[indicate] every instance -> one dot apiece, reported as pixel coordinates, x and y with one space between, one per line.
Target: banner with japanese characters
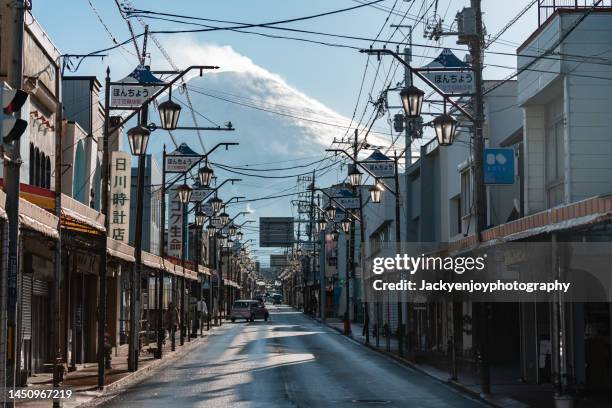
175 225
120 184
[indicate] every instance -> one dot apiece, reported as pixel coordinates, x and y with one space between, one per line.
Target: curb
454 384
135 376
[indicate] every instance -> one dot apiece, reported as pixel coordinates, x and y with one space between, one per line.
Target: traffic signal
12 101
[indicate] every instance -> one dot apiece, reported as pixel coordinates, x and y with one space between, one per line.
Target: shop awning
152 261
204 270
118 249
79 217
37 219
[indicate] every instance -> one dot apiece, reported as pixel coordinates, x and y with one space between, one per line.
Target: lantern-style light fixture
200 217
138 138
184 193
222 239
224 217
330 212
169 112
445 126
346 225
355 176
216 204
211 230
322 224
412 100
239 235
232 229
205 175
230 242
298 252
335 234
375 193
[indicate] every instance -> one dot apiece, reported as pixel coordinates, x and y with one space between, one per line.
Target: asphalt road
289 361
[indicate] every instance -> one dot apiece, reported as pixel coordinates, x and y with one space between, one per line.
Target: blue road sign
498 166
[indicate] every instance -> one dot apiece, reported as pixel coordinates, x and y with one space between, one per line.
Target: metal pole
322 274
183 253
58 249
161 333
103 258
366 317
398 239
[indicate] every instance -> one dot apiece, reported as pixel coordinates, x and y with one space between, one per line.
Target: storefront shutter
26 306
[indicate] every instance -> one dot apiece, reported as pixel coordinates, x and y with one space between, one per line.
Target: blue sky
330 75
316 78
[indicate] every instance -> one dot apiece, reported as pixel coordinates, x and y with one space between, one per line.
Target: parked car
249 310
277 299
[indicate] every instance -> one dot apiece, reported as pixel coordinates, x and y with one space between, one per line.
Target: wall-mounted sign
120 185
498 166
175 225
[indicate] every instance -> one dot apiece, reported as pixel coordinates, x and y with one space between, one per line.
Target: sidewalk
84 381
507 391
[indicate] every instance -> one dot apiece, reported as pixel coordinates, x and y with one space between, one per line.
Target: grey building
151 207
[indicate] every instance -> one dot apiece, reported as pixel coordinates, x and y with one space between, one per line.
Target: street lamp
375 193
445 126
205 175
184 193
216 204
330 211
138 137
211 230
222 239
335 234
200 217
322 224
346 225
224 217
239 235
412 100
168 114
231 230
355 176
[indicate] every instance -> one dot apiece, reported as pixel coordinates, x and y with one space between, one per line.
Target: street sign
276 231
198 194
346 198
135 89
182 159
499 166
380 164
451 75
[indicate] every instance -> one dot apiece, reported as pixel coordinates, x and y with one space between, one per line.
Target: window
555 152
465 200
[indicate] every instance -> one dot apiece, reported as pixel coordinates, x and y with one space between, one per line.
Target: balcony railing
547 8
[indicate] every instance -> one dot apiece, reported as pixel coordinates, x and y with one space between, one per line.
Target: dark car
249 310
277 299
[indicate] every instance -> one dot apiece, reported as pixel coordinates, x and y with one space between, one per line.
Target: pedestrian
171 319
202 313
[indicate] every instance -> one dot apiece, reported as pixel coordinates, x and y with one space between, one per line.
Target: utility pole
310 238
12 167
104 176
475 46
410 125
137 268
